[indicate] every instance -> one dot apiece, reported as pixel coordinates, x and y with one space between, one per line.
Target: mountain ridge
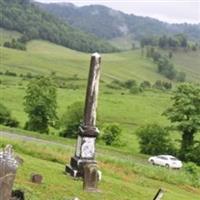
33 23
107 23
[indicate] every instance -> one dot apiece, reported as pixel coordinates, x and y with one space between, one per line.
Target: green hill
124 169
33 23
107 23
130 111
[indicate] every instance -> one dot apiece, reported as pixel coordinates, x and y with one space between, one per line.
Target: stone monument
85 147
8 168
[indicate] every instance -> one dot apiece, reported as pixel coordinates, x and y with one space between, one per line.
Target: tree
40 104
71 120
111 134
130 83
185 114
154 139
5 117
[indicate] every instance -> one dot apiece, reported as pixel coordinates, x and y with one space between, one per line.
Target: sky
172 11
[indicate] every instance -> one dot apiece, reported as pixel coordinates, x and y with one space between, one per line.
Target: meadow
124 169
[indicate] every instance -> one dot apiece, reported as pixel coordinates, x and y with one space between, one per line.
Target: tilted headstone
8 168
85 147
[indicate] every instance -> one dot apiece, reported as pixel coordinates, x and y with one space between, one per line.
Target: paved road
109 154
14 136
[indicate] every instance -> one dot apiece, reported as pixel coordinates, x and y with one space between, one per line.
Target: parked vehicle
166 161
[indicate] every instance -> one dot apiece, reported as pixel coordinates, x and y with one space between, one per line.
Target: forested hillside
108 23
28 19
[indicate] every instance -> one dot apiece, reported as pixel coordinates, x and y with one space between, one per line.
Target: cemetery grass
125 178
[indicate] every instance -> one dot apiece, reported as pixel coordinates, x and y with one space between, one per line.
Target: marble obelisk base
76 166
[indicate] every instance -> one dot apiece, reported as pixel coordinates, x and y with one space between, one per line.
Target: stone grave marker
85 147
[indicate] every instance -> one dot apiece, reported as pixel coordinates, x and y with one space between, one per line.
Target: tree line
169 42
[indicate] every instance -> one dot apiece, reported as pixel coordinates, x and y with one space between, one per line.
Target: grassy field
129 111
125 171
130 177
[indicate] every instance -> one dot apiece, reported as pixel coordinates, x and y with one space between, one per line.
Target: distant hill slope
33 23
107 23
43 58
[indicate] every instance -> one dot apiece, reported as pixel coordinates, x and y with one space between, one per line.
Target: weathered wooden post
85 147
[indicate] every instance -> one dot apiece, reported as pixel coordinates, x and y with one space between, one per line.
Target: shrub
136 90
145 84
116 84
5 117
71 120
8 73
154 139
194 171
130 84
162 85
111 134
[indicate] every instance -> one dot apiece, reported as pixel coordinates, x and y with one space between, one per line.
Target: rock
36 178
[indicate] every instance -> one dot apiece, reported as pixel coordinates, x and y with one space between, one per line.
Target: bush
71 120
145 84
194 154
194 171
154 139
162 85
116 84
8 73
136 90
111 134
130 84
5 117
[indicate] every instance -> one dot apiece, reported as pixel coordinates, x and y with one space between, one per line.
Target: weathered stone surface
8 167
6 184
90 180
36 178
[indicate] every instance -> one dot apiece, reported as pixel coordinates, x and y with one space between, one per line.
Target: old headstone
90 179
36 178
85 147
8 168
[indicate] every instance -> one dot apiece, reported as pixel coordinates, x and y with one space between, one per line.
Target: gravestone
90 178
8 168
85 147
36 178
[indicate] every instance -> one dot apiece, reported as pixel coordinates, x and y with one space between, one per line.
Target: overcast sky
172 11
